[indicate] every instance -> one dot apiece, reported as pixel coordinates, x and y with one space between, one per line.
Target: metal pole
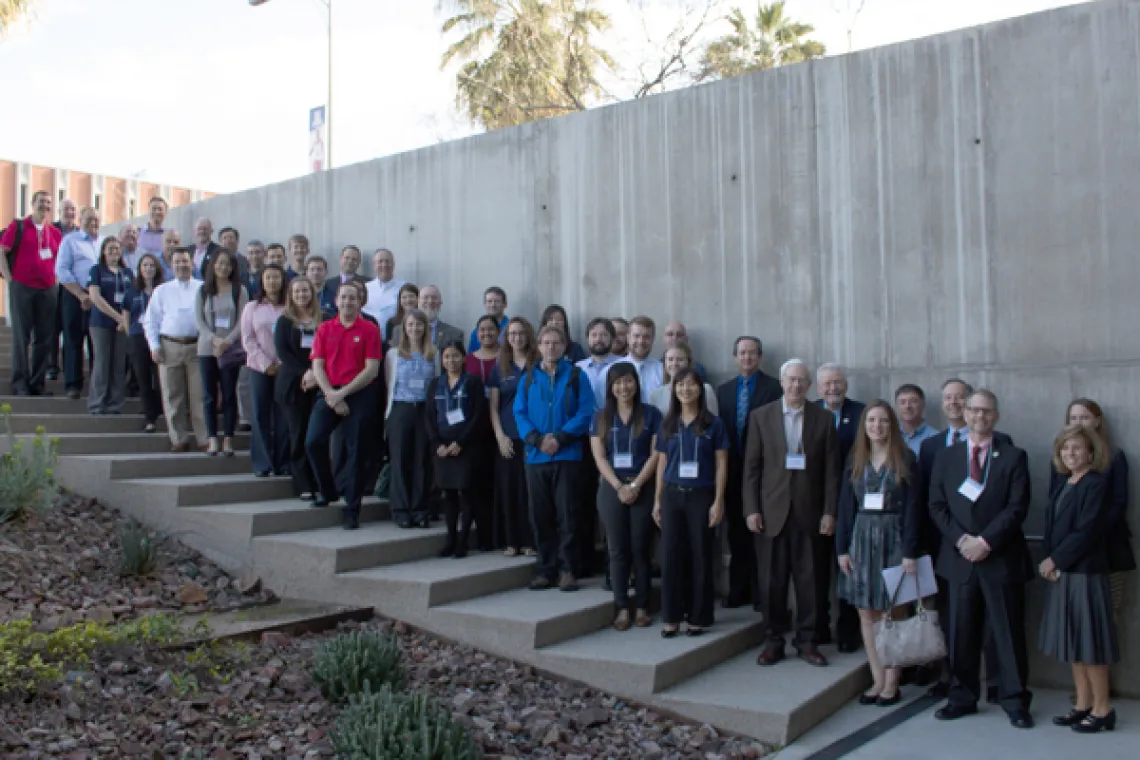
328 115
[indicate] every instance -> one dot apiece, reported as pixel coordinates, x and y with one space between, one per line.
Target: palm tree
525 60
773 40
12 11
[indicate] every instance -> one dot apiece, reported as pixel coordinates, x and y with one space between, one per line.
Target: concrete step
169 465
75 444
59 404
330 551
277 516
60 424
640 662
200 490
774 704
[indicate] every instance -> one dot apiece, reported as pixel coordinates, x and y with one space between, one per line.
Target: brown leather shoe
179 448
810 654
769 656
643 619
621 622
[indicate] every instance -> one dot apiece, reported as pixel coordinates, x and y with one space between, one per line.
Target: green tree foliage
772 40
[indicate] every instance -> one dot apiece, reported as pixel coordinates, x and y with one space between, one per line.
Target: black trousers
847 629
687 548
742 561
512 511
56 330
75 337
322 423
629 537
33 325
409 454
215 377
146 372
553 518
458 513
788 556
975 607
586 525
297 417
269 445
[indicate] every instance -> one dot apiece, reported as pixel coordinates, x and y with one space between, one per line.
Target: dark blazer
928 450
294 360
1076 529
849 415
770 489
910 495
766 390
326 297
996 516
1121 558
444 334
334 281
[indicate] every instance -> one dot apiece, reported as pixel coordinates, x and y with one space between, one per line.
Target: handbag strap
917 591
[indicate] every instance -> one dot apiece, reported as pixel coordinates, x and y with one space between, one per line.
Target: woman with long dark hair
295 389
556 315
407 299
409 369
878 527
110 321
454 418
692 469
269 449
147 278
218 310
622 436
512 517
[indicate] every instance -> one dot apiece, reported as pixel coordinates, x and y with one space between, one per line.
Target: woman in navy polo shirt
147 278
512 518
622 436
110 322
409 369
691 473
454 419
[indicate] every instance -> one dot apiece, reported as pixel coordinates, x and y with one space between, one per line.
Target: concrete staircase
217 506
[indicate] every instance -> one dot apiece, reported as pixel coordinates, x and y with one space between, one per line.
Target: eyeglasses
981 410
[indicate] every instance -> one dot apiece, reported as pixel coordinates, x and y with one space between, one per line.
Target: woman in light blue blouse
409 369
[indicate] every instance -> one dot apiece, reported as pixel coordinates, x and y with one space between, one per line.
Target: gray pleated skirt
876 544
1077 624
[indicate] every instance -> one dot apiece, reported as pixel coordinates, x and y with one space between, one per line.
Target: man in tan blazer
791 484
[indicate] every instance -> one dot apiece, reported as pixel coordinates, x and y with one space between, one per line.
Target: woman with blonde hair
409 369
878 527
677 358
1077 623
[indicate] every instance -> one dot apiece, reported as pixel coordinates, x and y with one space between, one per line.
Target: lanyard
448 396
882 479
617 448
696 445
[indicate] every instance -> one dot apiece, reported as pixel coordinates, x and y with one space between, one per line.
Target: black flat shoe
1093 725
1073 717
667 633
403 523
320 502
1021 719
261 474
868 699
695 631
448 550
351 522
889 701
953 712
423 522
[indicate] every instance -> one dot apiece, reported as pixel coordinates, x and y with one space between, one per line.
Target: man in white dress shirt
384 291
641 334
172 335
600 339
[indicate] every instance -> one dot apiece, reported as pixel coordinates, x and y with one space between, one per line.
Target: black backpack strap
16 241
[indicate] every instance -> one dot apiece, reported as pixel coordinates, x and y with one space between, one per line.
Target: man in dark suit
791 486
442 333
350 258
205 249
749 390
979 496
316 269
832 382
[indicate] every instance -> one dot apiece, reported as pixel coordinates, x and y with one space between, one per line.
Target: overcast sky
215 94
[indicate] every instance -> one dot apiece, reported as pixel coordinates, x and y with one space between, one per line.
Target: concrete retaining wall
958 205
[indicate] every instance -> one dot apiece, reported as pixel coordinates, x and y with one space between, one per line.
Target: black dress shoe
939 690
320 501
1021 719
403 523
1092 724
261 474
1072 718
810 654
889 701
769 656
848 647
669 633
423 522
953 712
992 695
351 521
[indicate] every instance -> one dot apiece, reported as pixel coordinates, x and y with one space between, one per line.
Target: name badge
625 461
45 253
416 383
119 298
307 339
873 502
183 309
486 392
971 489
455 416
222 323
690 469
795 462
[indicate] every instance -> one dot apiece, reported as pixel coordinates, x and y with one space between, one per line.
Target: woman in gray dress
1078 625
877 527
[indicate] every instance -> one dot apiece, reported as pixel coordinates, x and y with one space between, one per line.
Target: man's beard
431 314
600 349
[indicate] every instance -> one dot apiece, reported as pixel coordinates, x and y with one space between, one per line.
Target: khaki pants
182 391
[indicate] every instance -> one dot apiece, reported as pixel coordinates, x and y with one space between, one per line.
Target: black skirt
459 472
1078 624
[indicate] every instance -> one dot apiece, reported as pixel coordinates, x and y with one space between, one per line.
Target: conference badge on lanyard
971 488
689 470
623 460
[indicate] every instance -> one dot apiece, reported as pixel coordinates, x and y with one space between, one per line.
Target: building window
23 199
98 201
132 210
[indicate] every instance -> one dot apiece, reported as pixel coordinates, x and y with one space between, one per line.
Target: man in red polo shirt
30 274
346 359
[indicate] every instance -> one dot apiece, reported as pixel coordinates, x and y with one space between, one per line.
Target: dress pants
630 536
989 653
742 559
146 373
847 629
687 548
245 400
75 337
512 510
587 517
269 445
409 454
32 312
108 370
789 555
182 392
297 416
975 607
322 423
551 492
56 330
215 377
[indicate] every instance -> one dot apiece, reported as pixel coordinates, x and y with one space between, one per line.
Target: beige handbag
914 641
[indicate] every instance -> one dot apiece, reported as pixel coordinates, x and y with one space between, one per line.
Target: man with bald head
384 291
441 333
204 246
676 332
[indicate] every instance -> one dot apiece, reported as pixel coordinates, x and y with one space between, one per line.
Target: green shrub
349 663
27 473
139 549
387 725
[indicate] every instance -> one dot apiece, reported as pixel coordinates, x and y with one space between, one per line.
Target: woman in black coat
1078 625
454 417
296 387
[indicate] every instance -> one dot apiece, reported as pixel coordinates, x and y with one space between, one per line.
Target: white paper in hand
927 585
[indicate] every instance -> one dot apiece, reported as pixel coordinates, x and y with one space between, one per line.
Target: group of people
529 438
